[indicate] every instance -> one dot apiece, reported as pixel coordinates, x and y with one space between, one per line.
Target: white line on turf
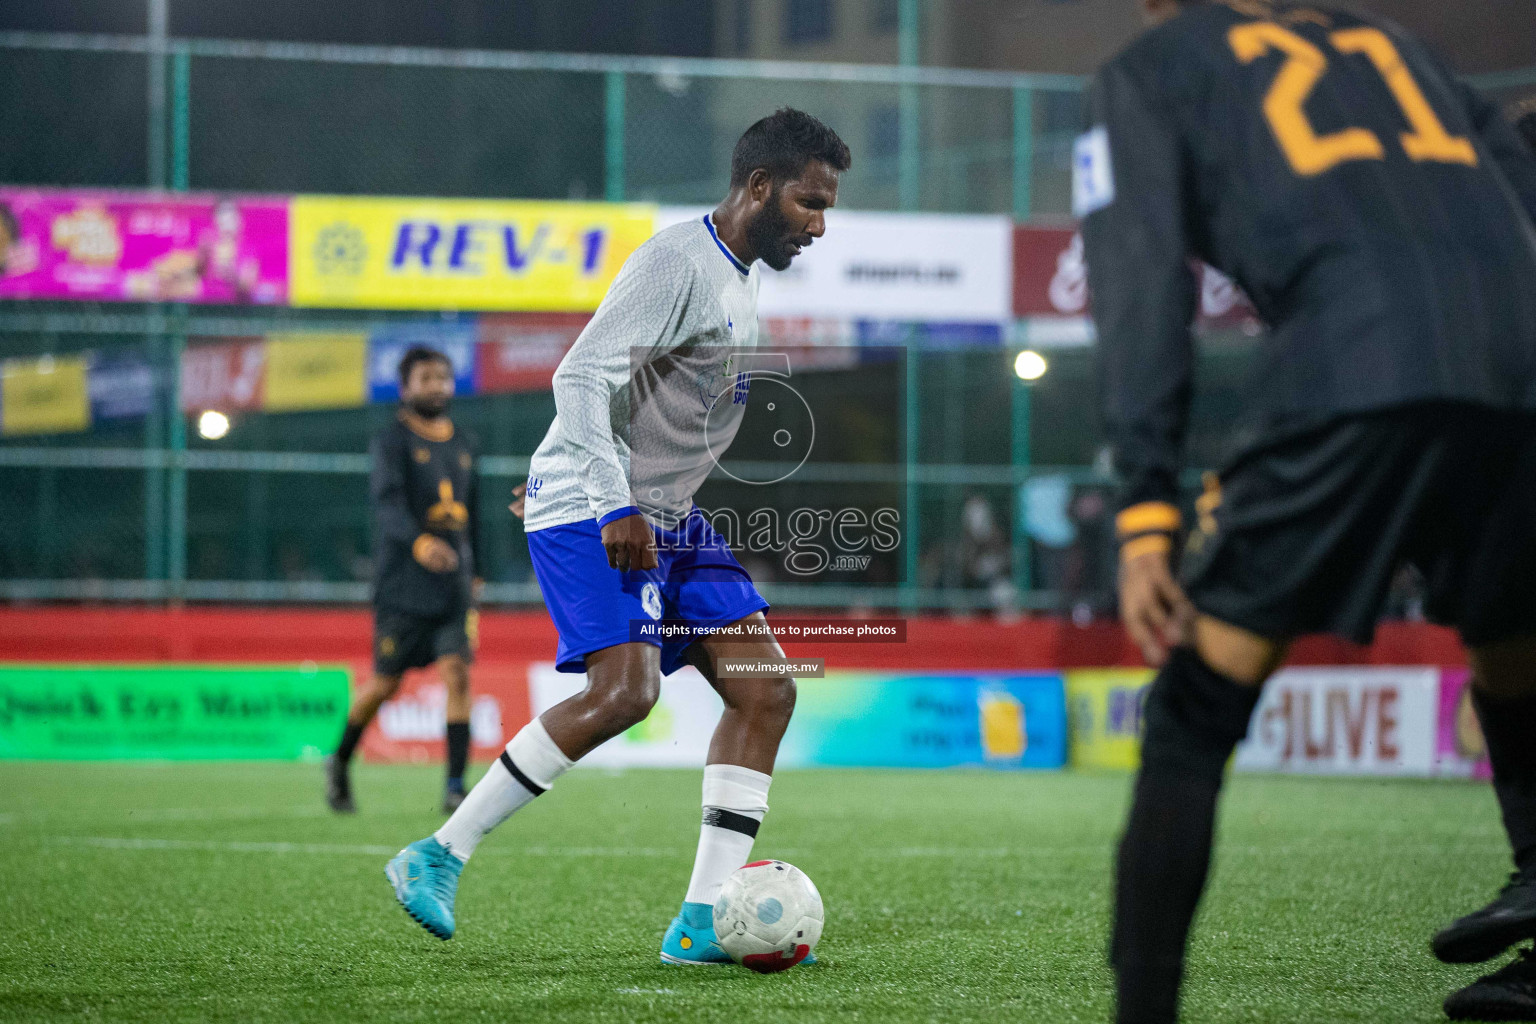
646 991
373 850
232 846
176 814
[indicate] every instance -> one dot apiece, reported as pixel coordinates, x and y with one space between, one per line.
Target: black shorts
403 641
1305 534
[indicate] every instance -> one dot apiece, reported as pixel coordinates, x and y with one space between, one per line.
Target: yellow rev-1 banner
470 254
44 396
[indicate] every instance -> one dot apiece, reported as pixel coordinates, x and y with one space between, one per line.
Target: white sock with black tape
529 766
735 802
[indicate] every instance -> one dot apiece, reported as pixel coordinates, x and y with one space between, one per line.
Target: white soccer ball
768 916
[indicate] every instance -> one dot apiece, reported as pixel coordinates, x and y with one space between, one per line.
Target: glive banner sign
852 719
468 254
1345 721
93 712
891 266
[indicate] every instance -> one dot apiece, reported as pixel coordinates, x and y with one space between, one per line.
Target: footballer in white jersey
647 398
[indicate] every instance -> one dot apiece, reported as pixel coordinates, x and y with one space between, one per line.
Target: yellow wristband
1151 544
1148 517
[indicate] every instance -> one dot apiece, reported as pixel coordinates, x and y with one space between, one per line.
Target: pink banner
113 246
1460 749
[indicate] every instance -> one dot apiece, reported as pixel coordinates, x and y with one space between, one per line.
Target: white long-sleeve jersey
648 396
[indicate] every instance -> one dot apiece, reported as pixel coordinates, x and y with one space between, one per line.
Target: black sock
458 753
1194 718
349 738
1509 729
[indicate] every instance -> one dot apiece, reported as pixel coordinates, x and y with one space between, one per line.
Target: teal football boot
690 941
426 879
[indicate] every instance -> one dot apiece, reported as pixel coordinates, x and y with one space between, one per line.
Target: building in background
1069 36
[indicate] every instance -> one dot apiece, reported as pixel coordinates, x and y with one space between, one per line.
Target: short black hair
783 143
420 354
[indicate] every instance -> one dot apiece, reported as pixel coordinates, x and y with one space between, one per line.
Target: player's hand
631 543
435 554
518 500
1153 606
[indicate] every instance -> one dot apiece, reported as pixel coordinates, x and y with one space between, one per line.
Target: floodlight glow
212 425
1030 365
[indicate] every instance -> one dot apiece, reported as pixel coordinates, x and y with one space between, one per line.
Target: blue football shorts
697 582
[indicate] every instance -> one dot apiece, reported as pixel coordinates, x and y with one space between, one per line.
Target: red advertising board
410 727
1050 278
519 351
227 375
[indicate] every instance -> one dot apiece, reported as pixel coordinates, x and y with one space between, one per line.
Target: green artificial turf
225 892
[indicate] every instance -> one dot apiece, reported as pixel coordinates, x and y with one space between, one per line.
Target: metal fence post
176 511
1022 395
176 532
181 119
613 137
909 167
1023 209
1023 152
159 18
912 433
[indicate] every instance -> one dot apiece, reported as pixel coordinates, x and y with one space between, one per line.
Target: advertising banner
1050 279
1459 746
94 712
929 721
145 247
227 375
892 266
520 351
315 371
471 254
44 396
1345 721
121 386
1104 705
388 344
675 734
411 725
852 719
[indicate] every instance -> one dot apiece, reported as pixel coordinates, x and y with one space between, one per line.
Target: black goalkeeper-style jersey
1377 211
423 483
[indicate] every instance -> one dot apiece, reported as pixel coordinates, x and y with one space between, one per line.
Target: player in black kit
1379 214
424 499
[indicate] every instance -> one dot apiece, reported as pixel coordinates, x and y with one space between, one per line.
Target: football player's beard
767 232
429 409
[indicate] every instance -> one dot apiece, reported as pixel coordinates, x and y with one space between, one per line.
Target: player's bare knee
774 698
1506 669
628 702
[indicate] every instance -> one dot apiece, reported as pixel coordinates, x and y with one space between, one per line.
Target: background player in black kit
424 498
1379 215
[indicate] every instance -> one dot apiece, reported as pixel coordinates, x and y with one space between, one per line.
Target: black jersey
1377 211
423 483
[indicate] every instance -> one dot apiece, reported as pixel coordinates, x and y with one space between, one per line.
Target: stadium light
1030 365
212 425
